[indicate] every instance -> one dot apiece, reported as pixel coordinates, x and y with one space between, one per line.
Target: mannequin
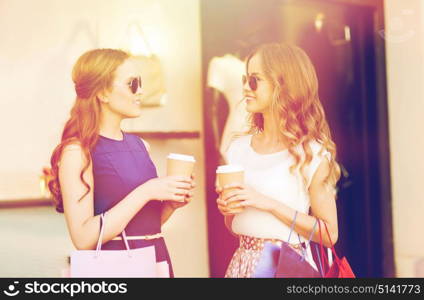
224 76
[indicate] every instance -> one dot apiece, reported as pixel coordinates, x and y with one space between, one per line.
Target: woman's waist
255 243
263 225
146 237
134 242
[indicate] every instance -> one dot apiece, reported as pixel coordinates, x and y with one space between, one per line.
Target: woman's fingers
193 184
232 199
222 209
184 182
188 199
243 203
226 211
181 179
238 197
179 198
238 185
181 191
235 196
183 185
231 194
221 204
221 201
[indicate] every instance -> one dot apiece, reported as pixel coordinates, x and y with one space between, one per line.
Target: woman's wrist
273 205
168 205
143 192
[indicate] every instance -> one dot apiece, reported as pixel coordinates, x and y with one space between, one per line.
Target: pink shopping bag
139 262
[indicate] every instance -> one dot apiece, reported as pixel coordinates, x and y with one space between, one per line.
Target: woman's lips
248 98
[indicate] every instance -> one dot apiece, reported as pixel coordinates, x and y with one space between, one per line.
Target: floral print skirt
246 257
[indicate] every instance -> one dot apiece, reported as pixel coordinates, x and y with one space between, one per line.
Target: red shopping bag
340 267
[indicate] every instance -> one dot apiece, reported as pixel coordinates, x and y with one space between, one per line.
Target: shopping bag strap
291 230
124 238
309 240
292 226
336 258
312 232
298 236
332 246
102 229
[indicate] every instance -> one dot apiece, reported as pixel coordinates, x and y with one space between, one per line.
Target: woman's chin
134 114
250 108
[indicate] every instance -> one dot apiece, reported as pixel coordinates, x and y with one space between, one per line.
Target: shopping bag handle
102 229
298 236
292 226
337 259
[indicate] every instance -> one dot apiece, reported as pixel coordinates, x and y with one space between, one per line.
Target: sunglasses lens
253 83
135 83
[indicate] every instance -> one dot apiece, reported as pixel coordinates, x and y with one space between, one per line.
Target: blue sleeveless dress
118 168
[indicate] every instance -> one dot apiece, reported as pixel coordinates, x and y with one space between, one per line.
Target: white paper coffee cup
180 165
229 174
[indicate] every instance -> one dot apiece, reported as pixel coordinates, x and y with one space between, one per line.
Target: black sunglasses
252 80
134 84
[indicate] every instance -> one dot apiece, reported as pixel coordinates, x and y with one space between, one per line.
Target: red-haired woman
288 157
99 169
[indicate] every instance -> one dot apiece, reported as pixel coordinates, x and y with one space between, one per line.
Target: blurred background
369 59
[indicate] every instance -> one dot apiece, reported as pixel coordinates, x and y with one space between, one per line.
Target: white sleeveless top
269 174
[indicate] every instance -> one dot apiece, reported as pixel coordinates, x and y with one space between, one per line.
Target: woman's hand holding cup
223 206
174 188
188 196
182 165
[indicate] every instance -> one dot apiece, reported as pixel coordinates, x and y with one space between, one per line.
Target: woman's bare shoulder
73 154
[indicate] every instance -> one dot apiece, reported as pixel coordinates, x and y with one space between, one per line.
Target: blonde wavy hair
295 105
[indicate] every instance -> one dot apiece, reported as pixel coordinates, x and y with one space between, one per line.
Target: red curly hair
93 73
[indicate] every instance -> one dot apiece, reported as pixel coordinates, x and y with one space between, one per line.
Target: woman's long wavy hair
93 73
295 105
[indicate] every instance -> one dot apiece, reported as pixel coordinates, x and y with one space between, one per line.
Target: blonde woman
288 156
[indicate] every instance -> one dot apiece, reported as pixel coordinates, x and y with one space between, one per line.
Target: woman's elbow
334 236
81 244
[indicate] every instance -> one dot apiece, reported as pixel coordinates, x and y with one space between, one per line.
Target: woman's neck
110 126
271 133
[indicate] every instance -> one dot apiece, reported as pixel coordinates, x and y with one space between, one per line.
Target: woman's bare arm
83 225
